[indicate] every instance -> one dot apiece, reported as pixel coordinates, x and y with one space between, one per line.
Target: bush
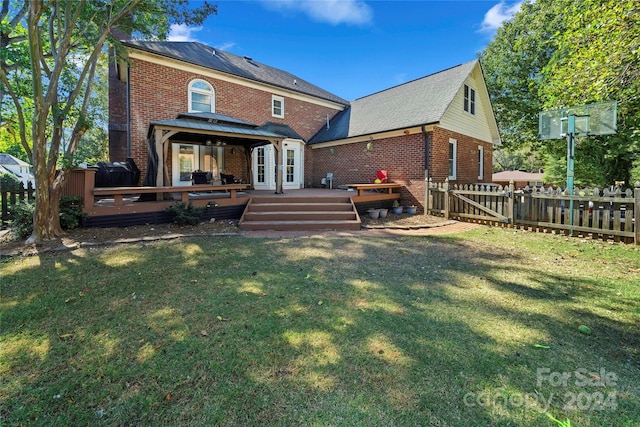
22 218
9 181
182 214
71 213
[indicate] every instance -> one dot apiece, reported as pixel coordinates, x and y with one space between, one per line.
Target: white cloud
182 33
498 14
334 12
225 46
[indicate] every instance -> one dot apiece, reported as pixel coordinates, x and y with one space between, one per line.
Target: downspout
427 164
128 95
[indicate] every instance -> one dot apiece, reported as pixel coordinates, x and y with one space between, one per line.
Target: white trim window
469 100
277 106
202 97
480 162
453 151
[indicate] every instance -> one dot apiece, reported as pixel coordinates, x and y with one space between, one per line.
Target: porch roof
198 127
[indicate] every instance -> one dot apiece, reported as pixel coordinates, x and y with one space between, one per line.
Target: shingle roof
216 59
8 159
419 102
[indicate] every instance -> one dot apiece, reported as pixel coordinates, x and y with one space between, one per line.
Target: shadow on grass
230 331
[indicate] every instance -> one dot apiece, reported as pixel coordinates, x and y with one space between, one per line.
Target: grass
399 331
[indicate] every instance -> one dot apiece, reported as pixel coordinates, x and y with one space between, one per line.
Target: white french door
264 166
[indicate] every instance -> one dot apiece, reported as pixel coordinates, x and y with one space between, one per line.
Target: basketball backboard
592 119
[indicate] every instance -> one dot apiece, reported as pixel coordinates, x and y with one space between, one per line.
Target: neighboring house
17 167
196 108
520 179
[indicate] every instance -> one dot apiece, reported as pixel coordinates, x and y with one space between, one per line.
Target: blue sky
353 48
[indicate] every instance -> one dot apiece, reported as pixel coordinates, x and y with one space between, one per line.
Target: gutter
128 111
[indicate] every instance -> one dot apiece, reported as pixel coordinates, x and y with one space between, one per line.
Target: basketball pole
571 125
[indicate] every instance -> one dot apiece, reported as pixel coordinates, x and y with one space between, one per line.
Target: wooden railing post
636 213
446 198
512 196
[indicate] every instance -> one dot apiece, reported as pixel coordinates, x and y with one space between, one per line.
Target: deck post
161 159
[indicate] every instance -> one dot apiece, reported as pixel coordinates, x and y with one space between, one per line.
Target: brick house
180 107
440 126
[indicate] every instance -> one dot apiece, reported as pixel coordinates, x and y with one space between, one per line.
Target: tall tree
49 55
513 63
557 54
598 59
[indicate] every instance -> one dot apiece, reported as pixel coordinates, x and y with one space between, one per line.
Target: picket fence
609 213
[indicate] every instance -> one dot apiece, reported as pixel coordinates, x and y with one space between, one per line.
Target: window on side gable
453 149
201 97
469 100
277 106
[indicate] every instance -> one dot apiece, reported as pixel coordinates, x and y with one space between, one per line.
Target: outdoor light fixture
233 150
370 146
209 142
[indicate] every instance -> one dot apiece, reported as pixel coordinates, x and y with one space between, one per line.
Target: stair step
294 200
299 215
283 213
286 207
301 225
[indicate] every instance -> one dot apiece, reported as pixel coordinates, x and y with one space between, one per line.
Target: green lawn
479 328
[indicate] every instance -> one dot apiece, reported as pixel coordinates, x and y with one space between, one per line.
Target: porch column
277 145
161 157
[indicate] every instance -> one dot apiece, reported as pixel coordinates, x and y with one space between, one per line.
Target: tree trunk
46 218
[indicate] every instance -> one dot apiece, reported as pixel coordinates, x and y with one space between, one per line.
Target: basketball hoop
586 120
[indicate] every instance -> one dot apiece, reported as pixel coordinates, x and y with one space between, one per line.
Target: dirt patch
401 221
11 245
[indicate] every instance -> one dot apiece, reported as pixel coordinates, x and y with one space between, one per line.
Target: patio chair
227 179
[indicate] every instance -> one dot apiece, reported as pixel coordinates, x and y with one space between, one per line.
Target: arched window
202 98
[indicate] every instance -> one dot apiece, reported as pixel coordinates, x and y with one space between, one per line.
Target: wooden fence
11 196
600 213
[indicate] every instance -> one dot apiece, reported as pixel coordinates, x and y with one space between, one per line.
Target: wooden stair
284 213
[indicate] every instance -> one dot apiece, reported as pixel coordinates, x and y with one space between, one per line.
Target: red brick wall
403 159
160 93
117 115
467 157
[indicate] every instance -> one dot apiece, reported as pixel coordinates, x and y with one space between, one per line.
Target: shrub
182 214
22 218
9 181
71 213
22 215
